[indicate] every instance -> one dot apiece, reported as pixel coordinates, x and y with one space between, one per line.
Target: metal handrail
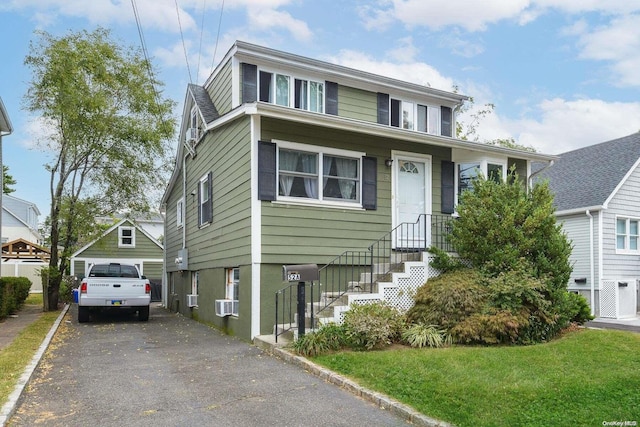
345 273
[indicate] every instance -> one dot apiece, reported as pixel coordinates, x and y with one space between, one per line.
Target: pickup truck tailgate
115 286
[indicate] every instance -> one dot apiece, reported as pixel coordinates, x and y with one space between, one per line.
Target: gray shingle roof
204 102
588 176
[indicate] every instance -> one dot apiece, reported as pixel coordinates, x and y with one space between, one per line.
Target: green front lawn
15 357
584 378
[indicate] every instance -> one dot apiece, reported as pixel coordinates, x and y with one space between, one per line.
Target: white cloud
618 42
566 125
157 14
437 14
267 19
461 46
609 7
415 72
478 15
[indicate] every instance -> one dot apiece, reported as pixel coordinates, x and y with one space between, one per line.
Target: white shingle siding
576 228
626 203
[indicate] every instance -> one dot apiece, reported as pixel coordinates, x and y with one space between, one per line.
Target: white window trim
229 283
417 103
120 237
292 90
180 213
205 178
323 150
625 251
484 161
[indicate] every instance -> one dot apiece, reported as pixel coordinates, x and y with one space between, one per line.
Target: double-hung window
316 173
274 88
180 213
309 95
627 234
205 204
232 288
126 237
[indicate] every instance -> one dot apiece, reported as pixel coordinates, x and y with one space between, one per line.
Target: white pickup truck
114 285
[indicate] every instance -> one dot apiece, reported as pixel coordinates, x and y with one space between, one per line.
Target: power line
204 4
213 60
184 46
145 53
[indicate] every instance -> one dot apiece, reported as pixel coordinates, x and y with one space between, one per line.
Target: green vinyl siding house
288 160
128 243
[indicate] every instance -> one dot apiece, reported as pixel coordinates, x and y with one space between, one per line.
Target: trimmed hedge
13 293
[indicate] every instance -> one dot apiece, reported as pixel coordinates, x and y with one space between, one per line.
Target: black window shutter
331 100
249 83
370 183
383 108
266 170
445 121
447 175
395 113
265 86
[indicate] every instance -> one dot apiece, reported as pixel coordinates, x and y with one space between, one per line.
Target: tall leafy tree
107 126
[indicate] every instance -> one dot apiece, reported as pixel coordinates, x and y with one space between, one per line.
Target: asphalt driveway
173 371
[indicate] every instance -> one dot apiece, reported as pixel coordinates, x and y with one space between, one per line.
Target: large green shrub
13 293
503 225
449 298
372 326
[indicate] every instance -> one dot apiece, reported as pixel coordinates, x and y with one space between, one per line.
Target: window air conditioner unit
192 300
191 135
224 307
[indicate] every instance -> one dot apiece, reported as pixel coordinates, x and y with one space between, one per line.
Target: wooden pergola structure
21 249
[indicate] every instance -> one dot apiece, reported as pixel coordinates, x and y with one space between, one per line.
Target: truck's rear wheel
83 314
143 313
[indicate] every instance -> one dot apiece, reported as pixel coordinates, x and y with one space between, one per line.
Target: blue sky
562 74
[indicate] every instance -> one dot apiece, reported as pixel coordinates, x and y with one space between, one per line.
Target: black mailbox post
300 273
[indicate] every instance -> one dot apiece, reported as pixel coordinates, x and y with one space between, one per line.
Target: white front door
412 198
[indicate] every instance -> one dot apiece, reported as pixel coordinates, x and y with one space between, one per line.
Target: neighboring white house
19 220
597 198
22 251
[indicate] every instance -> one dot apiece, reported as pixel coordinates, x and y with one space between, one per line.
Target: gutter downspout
591 263
530 180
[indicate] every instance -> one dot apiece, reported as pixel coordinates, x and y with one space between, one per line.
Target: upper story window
285 90
627 234
180 212
205 204
435 120
126 237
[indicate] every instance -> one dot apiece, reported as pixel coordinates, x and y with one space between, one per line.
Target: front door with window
412 198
